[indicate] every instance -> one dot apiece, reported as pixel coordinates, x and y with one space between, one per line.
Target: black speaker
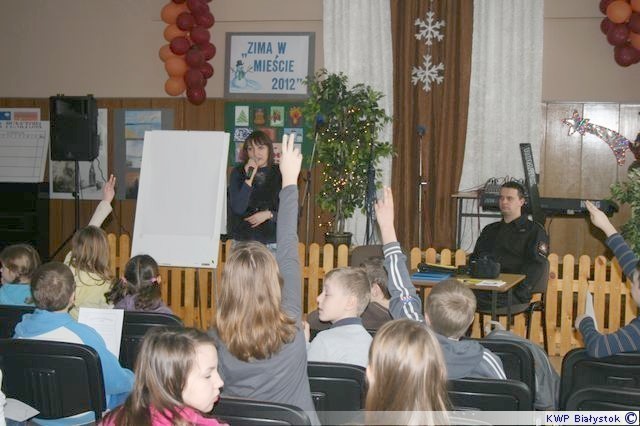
74 128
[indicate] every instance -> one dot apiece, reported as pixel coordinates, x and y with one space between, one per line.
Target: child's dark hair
140 279
257 137
21 259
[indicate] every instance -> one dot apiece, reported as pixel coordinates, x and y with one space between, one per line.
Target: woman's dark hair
141 280
257 137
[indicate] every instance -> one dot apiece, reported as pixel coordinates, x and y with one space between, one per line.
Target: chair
604 398
247 412
528 309
58 379
490 395
10 316
517 361
336 387
580 371
134 327
363 253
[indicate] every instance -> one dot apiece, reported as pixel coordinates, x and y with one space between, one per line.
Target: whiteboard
23 150
181 197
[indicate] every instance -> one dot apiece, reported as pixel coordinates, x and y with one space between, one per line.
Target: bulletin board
274 118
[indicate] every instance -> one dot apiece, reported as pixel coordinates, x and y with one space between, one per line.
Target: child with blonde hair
258 329
89 257
407 376
177 381
19 261
139 287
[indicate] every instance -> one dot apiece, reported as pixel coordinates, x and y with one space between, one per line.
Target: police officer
517 243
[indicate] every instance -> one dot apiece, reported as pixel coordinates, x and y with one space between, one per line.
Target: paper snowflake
429 29
427 74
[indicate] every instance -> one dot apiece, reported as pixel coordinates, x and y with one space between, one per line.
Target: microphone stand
370 198
421 182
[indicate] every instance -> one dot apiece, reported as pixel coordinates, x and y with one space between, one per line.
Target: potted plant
347 121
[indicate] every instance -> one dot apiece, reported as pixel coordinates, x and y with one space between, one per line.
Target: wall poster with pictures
129 126
274 118
93 174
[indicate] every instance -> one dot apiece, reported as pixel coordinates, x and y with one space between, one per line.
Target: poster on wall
19 114
273 118
93 174
129 127
268 64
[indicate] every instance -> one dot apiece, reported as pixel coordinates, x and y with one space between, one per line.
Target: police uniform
521 247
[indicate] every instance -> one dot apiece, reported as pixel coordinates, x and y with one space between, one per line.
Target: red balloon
618 34
185 21
603 6
194 78
197 7
605 25
208 50
196 95
200 35
634 22
207 70
194 57
179 45
206 20
625 55
178 1
635 5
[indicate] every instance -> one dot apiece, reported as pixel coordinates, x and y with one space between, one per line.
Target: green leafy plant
629 192
349 120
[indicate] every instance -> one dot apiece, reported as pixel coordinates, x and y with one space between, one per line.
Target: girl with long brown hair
258 326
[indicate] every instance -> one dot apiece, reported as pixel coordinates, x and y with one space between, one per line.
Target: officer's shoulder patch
543 248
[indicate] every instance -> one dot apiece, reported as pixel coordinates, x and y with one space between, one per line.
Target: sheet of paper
490 283
18 410
108 324
23 150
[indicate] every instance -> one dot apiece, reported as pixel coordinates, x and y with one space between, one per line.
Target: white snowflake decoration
427 73
429 29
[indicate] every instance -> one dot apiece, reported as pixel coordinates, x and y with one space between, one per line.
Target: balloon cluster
622 28
189 50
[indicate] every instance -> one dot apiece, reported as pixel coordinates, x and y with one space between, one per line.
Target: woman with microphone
253 191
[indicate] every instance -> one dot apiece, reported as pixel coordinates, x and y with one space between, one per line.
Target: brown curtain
443 112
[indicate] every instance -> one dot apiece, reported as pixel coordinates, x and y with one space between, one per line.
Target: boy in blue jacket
53 292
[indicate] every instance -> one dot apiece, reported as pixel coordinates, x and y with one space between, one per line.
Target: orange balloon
172 31
634 38
635 5
165 53
176 67
175 86
619 11
170 12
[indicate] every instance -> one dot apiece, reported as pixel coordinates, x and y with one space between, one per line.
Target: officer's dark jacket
521 246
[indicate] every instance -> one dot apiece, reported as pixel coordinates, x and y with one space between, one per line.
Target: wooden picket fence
191 292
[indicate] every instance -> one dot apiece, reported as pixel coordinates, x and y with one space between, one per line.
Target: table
510 281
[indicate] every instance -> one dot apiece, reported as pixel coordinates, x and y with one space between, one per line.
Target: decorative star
576 123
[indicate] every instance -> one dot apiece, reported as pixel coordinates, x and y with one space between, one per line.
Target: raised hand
109 189
290 160
384 216
599 219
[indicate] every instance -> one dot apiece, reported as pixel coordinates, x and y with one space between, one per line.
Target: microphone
421 130
250 172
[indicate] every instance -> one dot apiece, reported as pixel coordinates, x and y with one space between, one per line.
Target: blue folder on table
430 276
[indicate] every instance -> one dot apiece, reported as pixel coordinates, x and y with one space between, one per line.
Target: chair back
247 412
362 253
58 379
336 387
604 398
517 360
10 316
490 395
543 282
579 371
134 327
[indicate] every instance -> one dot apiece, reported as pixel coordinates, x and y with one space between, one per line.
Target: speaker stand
76 201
